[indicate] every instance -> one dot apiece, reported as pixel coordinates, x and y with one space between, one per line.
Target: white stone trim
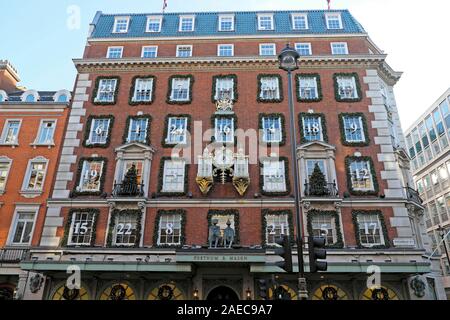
19 208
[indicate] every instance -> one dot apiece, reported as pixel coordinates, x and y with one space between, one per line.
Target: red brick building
136 220
33 125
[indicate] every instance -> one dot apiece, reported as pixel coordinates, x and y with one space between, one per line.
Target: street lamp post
443 236
288 60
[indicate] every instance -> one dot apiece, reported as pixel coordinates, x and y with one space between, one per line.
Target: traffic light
263 289
317 251
285 252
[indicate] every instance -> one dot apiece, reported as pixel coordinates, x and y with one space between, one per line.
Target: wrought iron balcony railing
327 191
128 190
413 195
12 255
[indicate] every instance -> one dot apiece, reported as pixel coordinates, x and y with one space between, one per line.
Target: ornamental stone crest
419 286
36 282
225 104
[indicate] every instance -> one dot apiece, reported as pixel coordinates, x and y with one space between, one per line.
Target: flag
329 4
164 5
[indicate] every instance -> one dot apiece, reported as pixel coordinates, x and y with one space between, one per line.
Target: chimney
9 77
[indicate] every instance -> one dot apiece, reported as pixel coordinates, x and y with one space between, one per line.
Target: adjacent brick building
135 218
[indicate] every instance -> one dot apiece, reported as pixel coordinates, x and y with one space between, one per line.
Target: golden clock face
379 294
64 293
329 292
117 292
167 291
223 158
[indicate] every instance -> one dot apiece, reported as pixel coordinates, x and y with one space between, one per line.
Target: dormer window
3 96
334 21
121 24
154 24
300 21
265 22
62 96
226 23
187 24
30 98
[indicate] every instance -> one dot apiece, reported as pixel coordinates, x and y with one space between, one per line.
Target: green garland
127 127
286 176
112 225
280 88
95 213
75 192
160 213
268 212
235 86
166 127
213 125
283 128
365 130
339 244
355 214
226 212
87 131
319 86
336 87
323 124
348 161
191 85
161 179
133 87
95 92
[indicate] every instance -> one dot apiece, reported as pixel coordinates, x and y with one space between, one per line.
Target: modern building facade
33 125
157 196
428 145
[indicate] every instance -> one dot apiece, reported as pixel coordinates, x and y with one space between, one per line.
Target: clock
223 158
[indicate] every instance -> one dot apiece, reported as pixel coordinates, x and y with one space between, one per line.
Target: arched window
30 98
1 98
62 98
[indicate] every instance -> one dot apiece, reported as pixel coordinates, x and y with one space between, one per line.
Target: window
361 175
324 225
143 90
444 106
276 225
224 88
299 21
308 88
177 130
334 21
5 165
126 230
224 130
46 132
270 88
184 51
430 127
438 121
139 166
11 132
62 98
274 176
423 134
169 231
121 24
312 128
180 89
23 227
272 129
412 152
150 52
187 24
99 131
370 232
267 49
2 97
106 90
35 176
311 164
346 86
353 128
303 49
174 176
30 98
265 22
114 52
82 228
226 23
91 174
225 50
339 48
154 24
138 130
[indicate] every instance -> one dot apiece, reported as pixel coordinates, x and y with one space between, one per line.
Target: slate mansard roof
206 24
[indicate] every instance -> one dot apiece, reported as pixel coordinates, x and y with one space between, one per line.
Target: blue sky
36 39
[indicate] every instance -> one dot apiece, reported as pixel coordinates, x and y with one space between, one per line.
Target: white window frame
308 44
188 97
116 223
181 187
273 220
261 96
282 168
355 88
24 209
361 127
151 80
147 123
72 225
175 219
379 226
91 131
50 143
27 175
97 98
324 171
184 46
316 89
222 45
180 23
345 47
83 173
225 78
320 120
116 20
227 17
260 16
114 48
273 45
147 29
8 162
146 47
328 17
323 217
298 15
168 141
5 129
217 131
280 133
369 172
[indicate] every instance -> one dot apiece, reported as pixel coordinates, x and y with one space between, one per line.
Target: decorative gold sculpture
205 184
241 184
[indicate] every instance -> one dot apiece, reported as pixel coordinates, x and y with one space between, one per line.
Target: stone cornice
32 107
